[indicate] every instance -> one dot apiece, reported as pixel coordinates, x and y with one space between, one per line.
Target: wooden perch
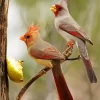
40 73
3 45
66 53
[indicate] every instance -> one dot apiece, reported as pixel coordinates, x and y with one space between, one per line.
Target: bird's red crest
33 28
58 7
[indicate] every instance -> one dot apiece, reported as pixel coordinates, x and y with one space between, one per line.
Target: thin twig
66 53
76 58
40 73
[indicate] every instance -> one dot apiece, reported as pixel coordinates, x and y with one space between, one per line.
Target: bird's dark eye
28 37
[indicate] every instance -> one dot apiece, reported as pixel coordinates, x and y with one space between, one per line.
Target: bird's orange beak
53 8
22 38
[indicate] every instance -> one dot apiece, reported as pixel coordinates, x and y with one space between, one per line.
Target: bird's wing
47 53
71 30
75 30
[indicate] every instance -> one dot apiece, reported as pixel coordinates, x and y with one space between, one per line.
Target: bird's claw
70 44
69 49
68 52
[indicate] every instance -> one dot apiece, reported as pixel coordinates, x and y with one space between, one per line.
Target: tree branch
3 46
66 53
40 73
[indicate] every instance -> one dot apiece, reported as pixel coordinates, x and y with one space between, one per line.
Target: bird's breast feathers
46 63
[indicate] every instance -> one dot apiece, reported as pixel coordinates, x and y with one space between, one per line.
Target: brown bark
3 46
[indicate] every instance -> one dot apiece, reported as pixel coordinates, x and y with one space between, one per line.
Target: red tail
61 85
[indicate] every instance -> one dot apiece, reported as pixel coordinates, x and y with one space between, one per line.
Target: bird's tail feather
86 61
61 85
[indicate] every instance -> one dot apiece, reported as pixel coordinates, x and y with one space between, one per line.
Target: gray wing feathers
45 50
71 25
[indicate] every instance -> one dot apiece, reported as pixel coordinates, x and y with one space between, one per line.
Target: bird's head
31 35
59 8
56 9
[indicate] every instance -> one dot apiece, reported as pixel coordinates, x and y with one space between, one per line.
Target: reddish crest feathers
33 28
58 7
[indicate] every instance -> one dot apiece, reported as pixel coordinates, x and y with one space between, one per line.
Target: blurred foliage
87 14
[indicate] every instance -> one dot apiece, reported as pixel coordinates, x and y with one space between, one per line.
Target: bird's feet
70 44
69 49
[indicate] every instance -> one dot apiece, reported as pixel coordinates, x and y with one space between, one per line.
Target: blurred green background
21 14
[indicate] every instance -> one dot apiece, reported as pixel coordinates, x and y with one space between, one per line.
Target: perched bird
45 54
68 28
